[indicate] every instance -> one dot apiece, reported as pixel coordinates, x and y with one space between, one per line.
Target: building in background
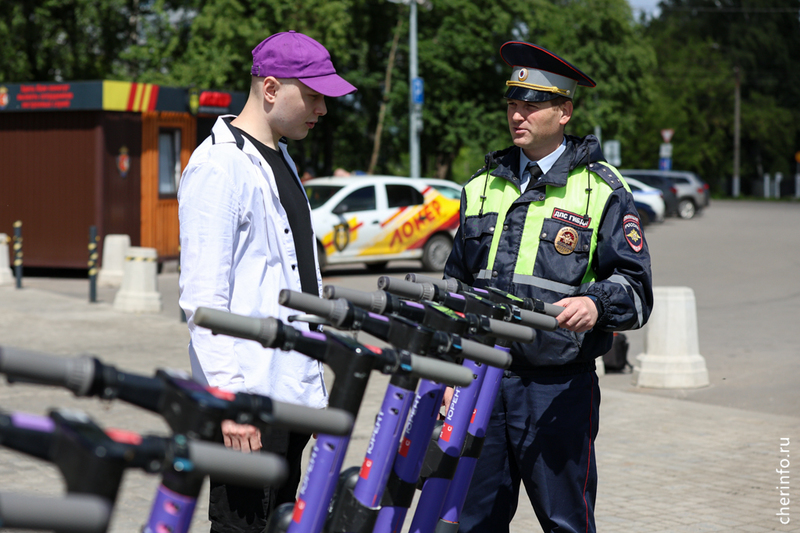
98 153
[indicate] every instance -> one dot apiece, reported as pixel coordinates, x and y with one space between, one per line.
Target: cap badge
566 240
523 74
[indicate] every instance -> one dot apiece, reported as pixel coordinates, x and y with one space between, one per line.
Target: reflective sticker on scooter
404 447
447 430
365 468
299 507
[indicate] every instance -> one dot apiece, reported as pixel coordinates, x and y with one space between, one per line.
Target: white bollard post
766 185
601 367
112 268
778 180
672 359
6 278
139 290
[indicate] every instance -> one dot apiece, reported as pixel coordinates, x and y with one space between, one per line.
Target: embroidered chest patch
571 218
633 232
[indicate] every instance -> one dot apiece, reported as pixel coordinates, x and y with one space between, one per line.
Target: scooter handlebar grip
552 310
372 301
309 420
74 513
307 303
263 330
537 320
511 332
441 371
73 373
406 289
485 354
225 464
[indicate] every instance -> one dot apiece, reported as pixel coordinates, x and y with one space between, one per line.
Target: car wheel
686 208
644 218
436 252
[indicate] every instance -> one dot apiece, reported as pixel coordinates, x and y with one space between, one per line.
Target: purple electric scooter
188 408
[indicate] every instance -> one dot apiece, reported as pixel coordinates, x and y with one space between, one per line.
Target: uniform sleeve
209 215
455 267
622 264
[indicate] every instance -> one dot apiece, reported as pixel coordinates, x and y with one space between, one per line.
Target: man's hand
579 314
242 437
446 399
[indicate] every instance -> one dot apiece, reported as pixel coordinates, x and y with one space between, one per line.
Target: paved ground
678 461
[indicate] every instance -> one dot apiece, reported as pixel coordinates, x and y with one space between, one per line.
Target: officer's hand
242 437
579 314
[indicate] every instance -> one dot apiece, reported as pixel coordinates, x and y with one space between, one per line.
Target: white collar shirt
545 163
237 253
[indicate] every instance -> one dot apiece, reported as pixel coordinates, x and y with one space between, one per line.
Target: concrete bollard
601 367
5 265
115 248
139 290
672 359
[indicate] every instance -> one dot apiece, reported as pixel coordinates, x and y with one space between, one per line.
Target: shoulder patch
606 174
633 232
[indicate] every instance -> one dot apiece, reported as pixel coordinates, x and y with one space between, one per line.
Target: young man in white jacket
246 233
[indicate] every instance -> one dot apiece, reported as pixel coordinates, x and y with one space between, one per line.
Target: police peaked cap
539 75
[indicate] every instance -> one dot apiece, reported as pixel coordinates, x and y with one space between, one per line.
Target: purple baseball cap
294 55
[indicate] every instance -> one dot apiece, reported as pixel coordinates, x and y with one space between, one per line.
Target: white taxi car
375 219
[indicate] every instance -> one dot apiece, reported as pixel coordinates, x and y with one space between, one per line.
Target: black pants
235 509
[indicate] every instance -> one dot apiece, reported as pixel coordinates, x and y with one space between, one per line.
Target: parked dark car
660 182
692 192
646 213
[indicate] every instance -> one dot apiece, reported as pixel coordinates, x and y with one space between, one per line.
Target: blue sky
649 6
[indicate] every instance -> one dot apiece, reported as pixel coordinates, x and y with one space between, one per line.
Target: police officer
548 218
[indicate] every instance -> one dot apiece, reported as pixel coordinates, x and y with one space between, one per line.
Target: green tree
53 40
700 44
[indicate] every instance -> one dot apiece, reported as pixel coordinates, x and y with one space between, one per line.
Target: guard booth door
167 143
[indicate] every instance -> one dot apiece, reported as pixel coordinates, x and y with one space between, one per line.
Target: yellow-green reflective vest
559 203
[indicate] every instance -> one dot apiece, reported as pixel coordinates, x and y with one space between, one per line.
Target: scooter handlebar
485 354
74 513
407 289
539 321
441 371
262 330
73 373
449 284
309 420
511 331
225 464
333 310
372 301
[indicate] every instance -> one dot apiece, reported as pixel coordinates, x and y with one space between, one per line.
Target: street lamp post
415 109
416 96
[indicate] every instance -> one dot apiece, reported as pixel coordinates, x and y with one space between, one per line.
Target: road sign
665 157
667 135
417 91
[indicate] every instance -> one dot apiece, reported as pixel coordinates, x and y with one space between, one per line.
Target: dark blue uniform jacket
623 286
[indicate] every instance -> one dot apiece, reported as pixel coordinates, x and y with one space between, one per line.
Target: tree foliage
675 71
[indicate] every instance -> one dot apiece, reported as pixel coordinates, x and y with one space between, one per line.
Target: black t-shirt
295 204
